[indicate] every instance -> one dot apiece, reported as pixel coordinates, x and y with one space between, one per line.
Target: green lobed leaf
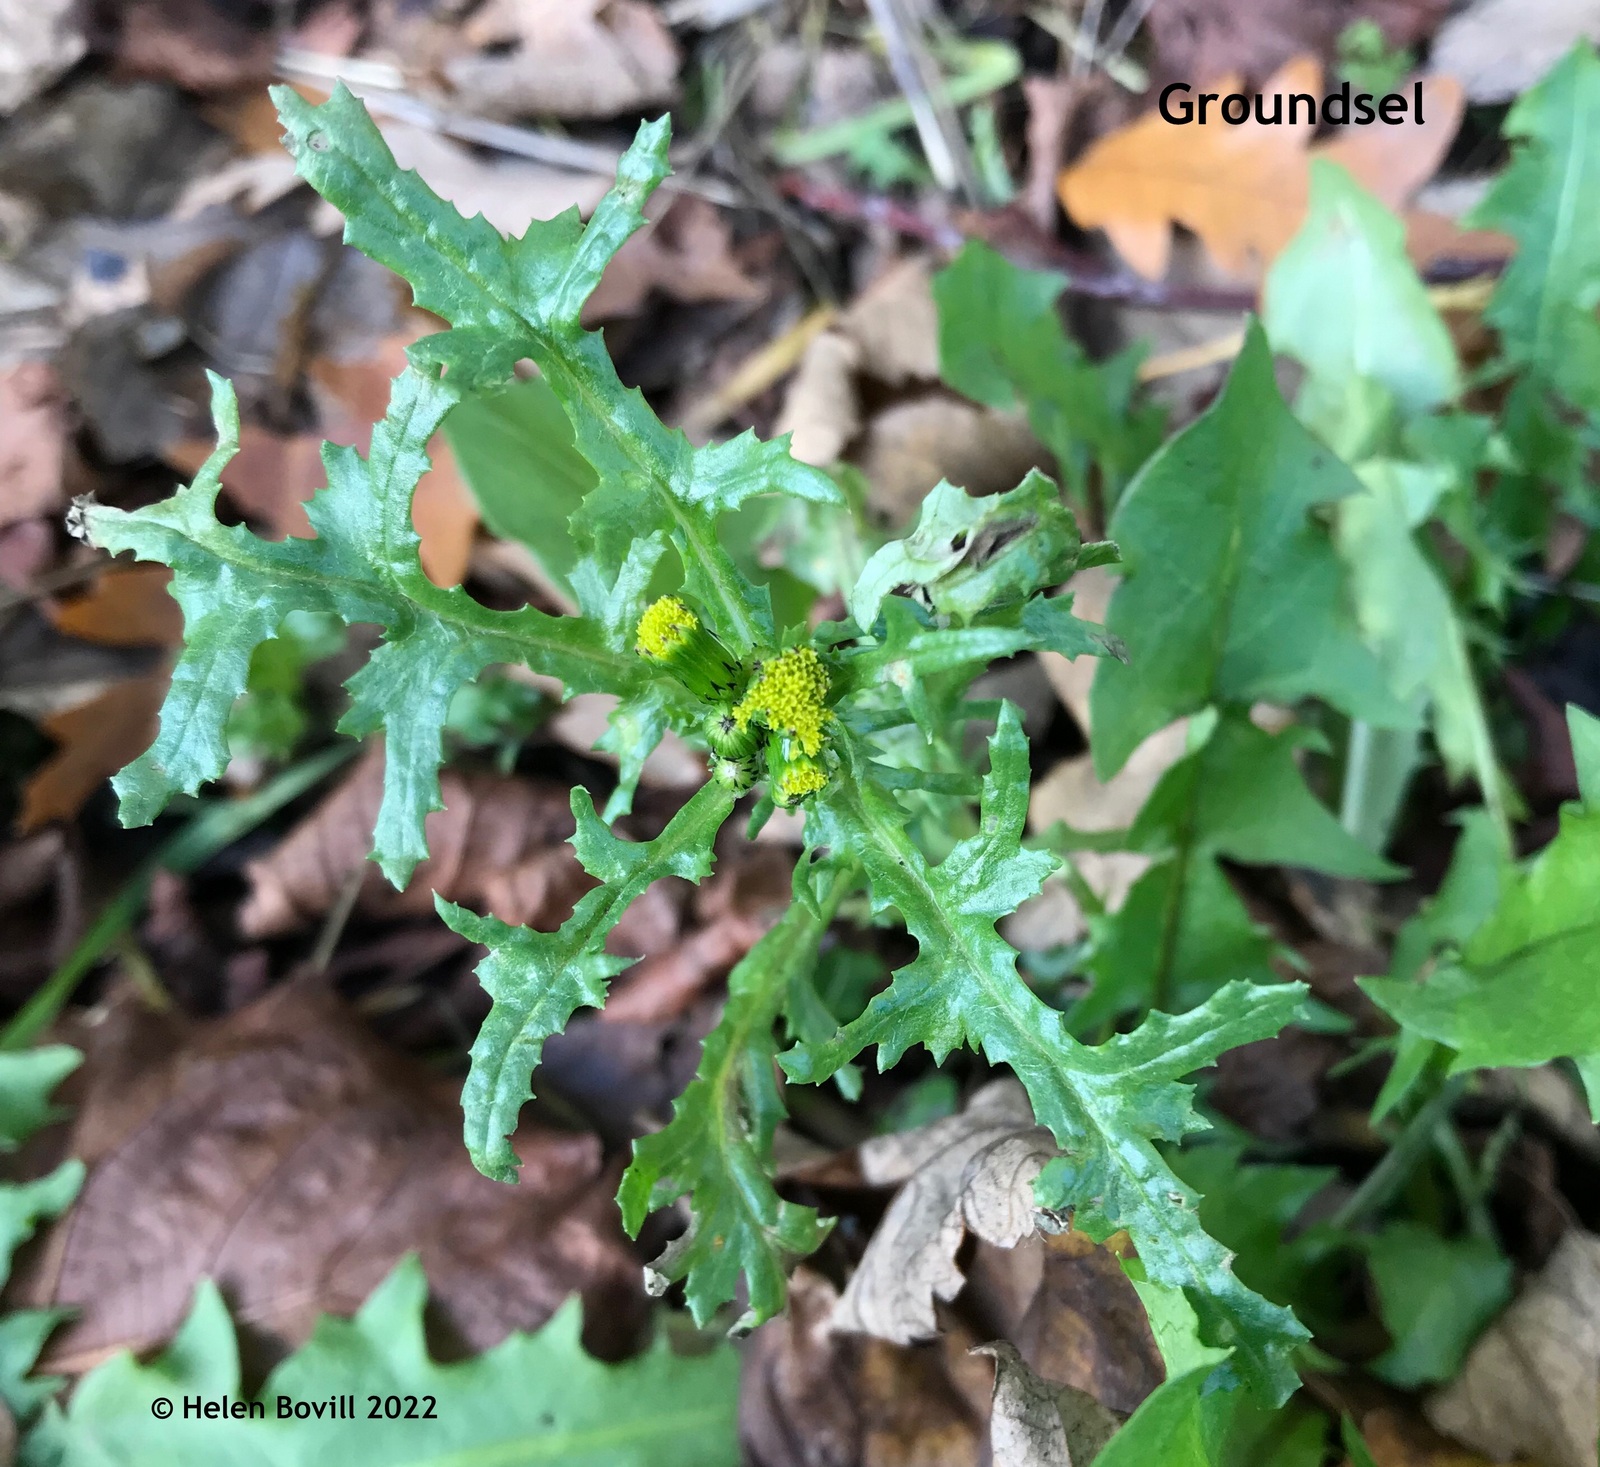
1516 988
512 298
1106 1105
532 1398
537 980
1001 341
236 589
717 1148
1232 592
1544 304
969 555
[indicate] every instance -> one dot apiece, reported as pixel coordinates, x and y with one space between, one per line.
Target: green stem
1416 1138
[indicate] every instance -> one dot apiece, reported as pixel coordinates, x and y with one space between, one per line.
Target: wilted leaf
531 1398
1531 1385
285 1154
554 58
1029 1421
1243 189
972 1172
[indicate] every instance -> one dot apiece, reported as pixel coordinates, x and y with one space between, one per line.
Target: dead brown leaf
809 1397
1531 1385
33 428
1035 1423
498 845
1399 1439
199 46
686 255
128 606
94 740
1200 40
564 58
286 1154
1243 190
971 1172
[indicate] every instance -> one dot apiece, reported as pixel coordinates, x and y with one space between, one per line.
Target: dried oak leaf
809 1397
498 845
1244 190
686 254
1531 1385
128 606
971 1172
1036 1423
286 1154
564 58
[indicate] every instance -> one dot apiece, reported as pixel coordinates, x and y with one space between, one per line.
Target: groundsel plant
860 726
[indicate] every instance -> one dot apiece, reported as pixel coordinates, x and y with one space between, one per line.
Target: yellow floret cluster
797 781
788 696
665 626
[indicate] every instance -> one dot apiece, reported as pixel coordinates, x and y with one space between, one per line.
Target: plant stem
1416 1136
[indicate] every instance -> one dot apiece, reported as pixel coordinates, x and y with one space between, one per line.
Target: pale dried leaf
1472 45
821 407
40 40
565 58
969 1172
1025 1428
33 429
895 325
1531 1385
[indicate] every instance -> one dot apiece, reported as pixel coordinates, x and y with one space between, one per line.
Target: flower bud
727 737
672 636
793 776
736 774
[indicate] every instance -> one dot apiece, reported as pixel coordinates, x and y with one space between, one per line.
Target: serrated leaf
1001 342
969 555
717 1148
514 298
236 589
1544 304
532 1398
1106 1106
1232 593
537 980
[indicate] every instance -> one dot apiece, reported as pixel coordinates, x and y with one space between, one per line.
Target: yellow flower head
787 695
665 627
798 778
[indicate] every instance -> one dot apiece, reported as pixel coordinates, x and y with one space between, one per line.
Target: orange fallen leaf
1243 189
128 606
94 739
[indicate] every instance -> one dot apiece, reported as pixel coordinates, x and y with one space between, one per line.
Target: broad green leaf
1106 1106
514 298
969 555
533 1398
1435 1295
1001 342
1231 592
1383 329
1179 1424
1519 989
514 448
717 1149
1182 931
537 980
26 1080
1409 619
1544 306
